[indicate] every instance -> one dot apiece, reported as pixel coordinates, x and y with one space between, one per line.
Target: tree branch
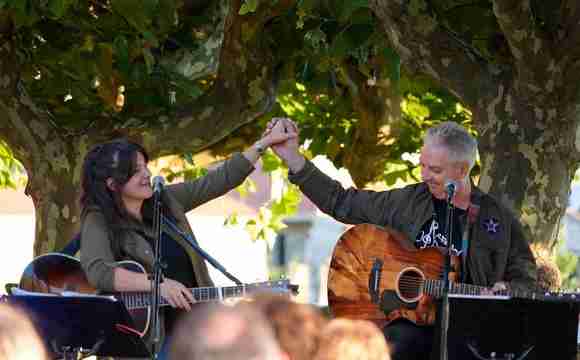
570 23
244 90
24 127
517 23
568 36
539 67
426 46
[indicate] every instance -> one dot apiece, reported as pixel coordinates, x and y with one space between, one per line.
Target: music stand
82 325
500 327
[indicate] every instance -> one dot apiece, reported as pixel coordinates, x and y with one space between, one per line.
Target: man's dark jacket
498 250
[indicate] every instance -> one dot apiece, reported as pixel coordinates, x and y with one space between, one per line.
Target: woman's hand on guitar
177 295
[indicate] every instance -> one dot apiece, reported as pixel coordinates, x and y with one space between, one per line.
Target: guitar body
403 271
54 273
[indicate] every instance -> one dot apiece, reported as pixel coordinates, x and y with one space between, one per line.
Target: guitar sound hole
409 285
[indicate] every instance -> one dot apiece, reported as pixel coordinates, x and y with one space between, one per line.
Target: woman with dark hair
117 220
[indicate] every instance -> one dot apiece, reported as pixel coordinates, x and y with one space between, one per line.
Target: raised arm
227 176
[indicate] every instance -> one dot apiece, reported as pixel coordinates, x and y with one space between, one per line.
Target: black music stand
82 325
500 328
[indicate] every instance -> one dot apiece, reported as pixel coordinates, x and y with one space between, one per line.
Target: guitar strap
472 214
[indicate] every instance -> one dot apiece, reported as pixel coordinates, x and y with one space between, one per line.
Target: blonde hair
297 327
19 339
345 339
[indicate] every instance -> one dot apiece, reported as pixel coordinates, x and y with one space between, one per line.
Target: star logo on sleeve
491 225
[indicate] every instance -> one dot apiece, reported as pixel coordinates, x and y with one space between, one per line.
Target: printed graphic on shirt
432 236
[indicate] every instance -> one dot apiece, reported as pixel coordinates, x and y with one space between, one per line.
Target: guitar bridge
375 281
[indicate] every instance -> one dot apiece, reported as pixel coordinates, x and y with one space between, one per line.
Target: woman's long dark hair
116 160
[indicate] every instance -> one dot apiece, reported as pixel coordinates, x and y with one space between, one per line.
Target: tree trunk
378 106
53 185
527 155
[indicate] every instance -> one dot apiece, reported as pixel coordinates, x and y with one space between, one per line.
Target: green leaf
231 220
249 6
187 88
121 50
270 162
167 15
392 177
315 38
341 45
347 41
350 6
188 157
11 171
247 187
362 16
149 59
59 7
394 64
23 14
150 39
138 13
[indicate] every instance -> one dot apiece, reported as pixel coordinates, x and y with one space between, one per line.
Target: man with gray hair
220 332
486 236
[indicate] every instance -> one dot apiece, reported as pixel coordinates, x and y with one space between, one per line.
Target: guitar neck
135 300
436 288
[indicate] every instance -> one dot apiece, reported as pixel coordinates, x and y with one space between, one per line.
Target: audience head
18 337
219 332
297 327
344 339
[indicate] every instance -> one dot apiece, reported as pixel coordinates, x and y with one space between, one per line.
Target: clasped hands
280 134
287 149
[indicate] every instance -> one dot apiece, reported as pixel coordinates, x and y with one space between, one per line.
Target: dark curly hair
116 160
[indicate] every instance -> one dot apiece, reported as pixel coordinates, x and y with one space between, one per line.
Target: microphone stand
446 270
156 279
200 251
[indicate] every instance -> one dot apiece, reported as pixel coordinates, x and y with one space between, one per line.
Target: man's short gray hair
456 139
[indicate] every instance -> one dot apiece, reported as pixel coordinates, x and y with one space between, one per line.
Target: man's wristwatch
260 148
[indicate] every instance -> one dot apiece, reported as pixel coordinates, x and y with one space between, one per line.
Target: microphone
450 187
158 184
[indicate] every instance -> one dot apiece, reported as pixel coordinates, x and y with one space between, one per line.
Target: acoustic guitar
60 274
376 274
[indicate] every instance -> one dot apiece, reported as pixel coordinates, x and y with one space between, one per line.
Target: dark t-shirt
434 232
179 269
